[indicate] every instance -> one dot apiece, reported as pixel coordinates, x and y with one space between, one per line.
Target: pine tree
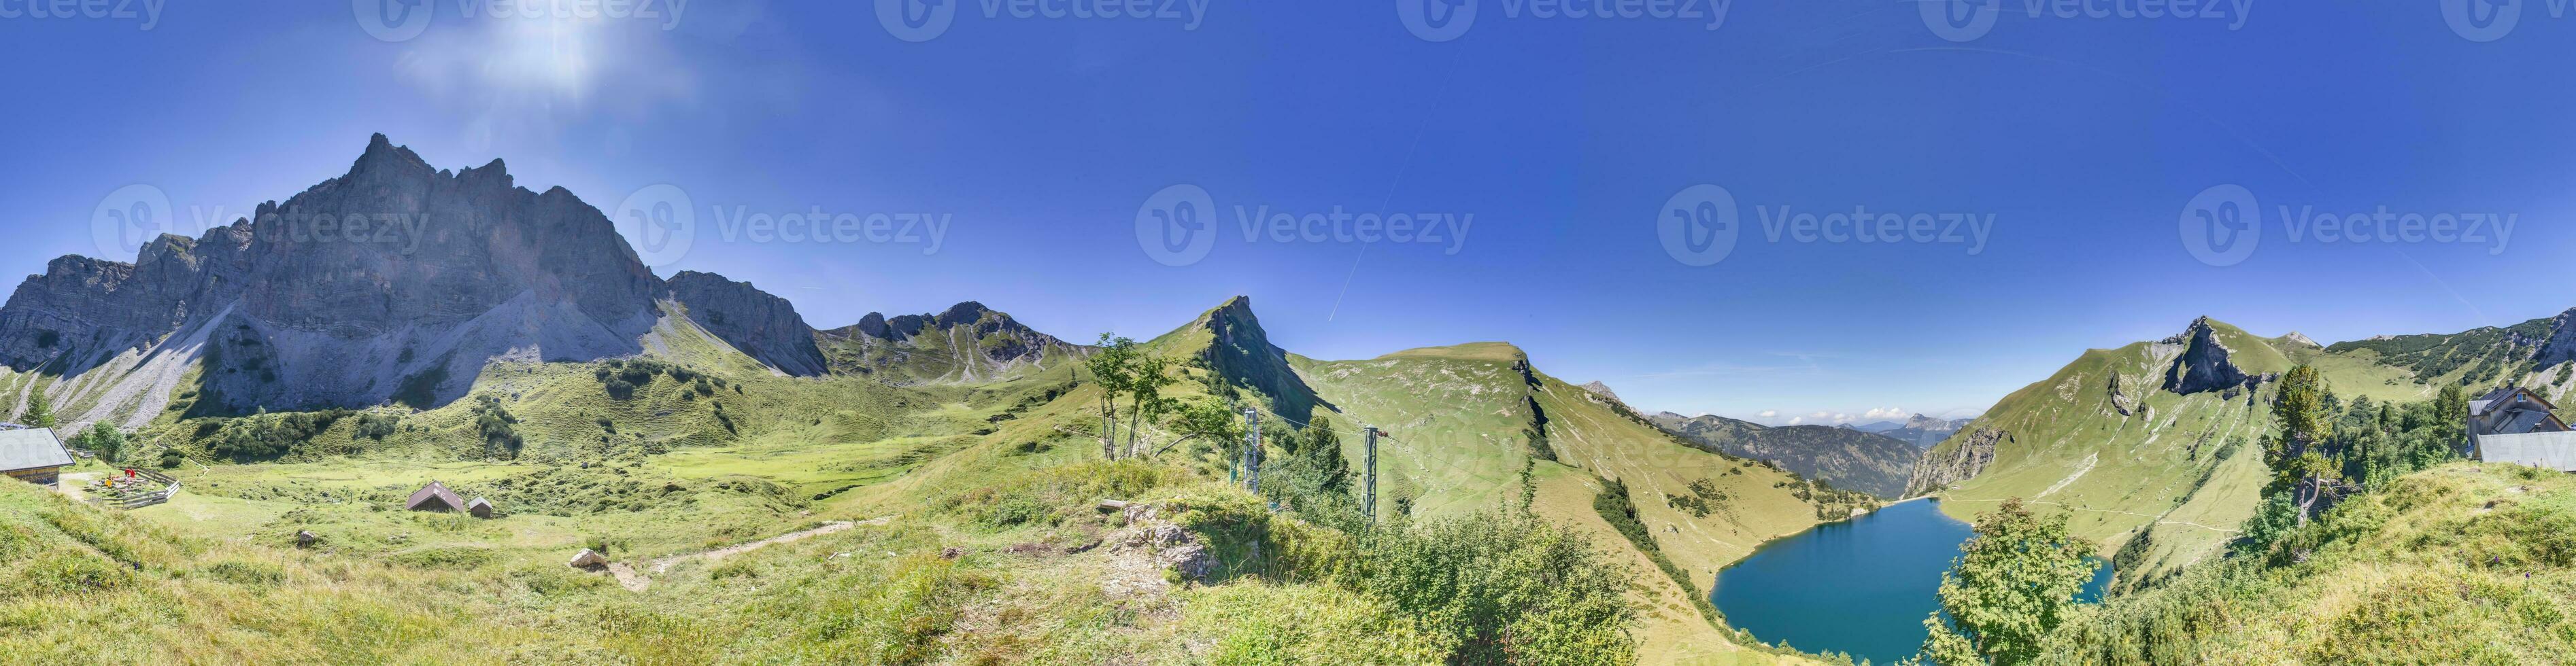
2302 462
40 413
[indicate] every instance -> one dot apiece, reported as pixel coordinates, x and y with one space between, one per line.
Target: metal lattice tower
1368 505
1252 450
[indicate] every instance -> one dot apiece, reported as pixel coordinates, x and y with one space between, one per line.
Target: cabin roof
2504 397
32 448
437 491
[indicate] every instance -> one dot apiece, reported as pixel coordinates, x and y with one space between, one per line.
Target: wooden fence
169 487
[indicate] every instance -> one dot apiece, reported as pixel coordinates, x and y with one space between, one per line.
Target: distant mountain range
1844 457
1924 431
275 312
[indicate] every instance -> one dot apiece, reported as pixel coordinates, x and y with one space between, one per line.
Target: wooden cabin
435 497
2515 425
33 455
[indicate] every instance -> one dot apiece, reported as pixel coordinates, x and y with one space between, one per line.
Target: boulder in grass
588 559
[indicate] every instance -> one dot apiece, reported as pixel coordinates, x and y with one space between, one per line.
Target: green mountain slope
2154 436
2161 439
1464 420
1874 464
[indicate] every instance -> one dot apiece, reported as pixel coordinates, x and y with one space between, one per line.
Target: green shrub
1503 588
244 572
452 557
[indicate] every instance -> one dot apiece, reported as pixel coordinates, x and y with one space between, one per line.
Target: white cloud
1888 414
1769 414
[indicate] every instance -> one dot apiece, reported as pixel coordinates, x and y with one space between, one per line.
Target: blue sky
2080 140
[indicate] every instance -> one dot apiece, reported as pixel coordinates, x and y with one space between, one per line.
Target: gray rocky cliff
1940 467
763 326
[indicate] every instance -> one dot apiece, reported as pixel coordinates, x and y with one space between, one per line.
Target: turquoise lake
1860 587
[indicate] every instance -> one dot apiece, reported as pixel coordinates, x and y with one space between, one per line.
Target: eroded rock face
1940 469
2203 365
83 310
2561 345
761 325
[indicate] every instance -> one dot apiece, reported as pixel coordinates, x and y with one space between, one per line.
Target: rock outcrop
1940 468
761 325
2203 365
2121 401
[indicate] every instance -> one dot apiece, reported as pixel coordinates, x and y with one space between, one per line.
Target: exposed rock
2301 339
1941 468
2120 399
1168 546
761 325
1603 390
588 558
2203 364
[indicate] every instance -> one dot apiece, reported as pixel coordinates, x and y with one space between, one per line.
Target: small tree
1112 367
2303 464
498 428
1146 379
40 412
1204 420
104 440
2013 583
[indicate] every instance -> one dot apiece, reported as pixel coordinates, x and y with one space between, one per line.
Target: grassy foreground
2467 563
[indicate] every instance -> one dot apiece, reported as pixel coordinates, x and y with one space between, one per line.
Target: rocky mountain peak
2204 363
1240 350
